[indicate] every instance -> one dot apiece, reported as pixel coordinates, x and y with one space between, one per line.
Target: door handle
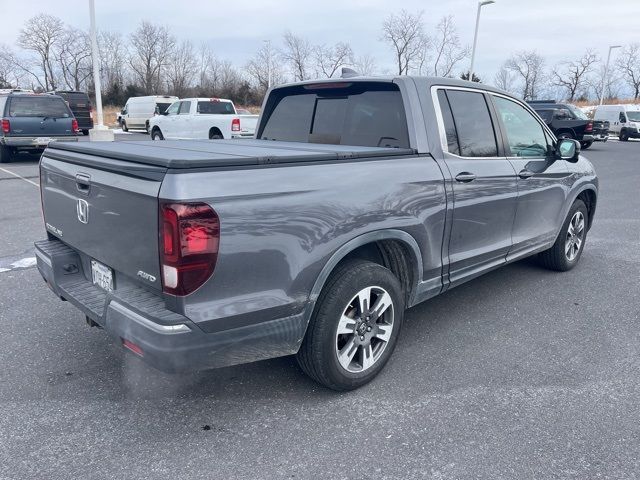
465 177
524 173
83 183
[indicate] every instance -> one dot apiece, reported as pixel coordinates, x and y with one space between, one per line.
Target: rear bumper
34 142
601 136
587 138
170 342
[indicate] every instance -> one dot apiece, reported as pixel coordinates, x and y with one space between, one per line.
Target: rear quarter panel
281 225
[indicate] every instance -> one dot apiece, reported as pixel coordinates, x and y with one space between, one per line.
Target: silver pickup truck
358 198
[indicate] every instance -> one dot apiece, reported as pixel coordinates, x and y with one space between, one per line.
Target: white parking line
20 176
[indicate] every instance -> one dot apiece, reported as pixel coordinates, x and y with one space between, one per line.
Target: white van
138 110
624 120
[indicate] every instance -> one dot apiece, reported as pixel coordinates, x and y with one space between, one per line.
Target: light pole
99 132
268 44
481 3
606 72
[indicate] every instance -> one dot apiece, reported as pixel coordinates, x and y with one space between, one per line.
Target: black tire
156 134
5 154
215 135
318 355
146 127
624 136
565 135
556 257
85 131
585 145
124 126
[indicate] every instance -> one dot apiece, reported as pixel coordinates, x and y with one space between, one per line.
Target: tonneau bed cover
182 154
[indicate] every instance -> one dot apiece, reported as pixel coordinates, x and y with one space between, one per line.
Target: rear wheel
156 134
585 145
215 135
5 154
354 327
567 249
562 135
85 131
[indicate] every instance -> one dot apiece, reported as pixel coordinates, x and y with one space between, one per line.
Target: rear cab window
215 107
360 114
38 106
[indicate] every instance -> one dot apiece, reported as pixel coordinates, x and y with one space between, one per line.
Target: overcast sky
557 29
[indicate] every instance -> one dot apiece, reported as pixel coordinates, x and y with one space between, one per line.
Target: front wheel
124 126
156 134
624 136
354 327
567 249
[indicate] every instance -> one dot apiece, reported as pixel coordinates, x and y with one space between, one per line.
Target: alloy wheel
364 329
575 236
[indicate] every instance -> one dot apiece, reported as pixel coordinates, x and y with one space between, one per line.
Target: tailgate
248 124
106 214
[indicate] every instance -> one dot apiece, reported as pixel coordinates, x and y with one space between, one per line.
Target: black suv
30 121
568 121
81 107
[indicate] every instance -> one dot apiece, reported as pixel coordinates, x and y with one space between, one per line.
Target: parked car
568 121
359 197
81 107
138 110
202 118
624 120
30 121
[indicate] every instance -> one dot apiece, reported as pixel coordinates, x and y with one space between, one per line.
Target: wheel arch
214 131
398 251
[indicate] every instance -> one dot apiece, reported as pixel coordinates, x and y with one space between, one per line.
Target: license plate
43 140
102 276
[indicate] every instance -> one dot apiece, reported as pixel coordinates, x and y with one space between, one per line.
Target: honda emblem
82 208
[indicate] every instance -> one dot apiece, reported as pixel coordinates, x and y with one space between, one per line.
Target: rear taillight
589 127
235 125
74 126
189 240
6 126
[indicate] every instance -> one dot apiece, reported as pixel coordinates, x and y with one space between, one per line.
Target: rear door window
41 106
364 114
473 123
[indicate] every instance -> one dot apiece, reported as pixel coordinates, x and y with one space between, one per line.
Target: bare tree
112 58
329 59
448 51
611 88
73 53
404 32
9 76
572 75
365 64
263 64
297 52
504 79
528 66
150 44
629 65
41 34
181 69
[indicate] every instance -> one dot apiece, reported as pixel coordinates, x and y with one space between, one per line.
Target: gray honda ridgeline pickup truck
359 198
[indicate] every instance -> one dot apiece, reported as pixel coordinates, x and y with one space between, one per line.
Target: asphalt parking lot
522 373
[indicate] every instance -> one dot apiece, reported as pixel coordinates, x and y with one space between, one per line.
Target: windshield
577 112
216 107
45 106
633 116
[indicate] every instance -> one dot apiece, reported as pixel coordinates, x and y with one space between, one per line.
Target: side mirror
568 149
